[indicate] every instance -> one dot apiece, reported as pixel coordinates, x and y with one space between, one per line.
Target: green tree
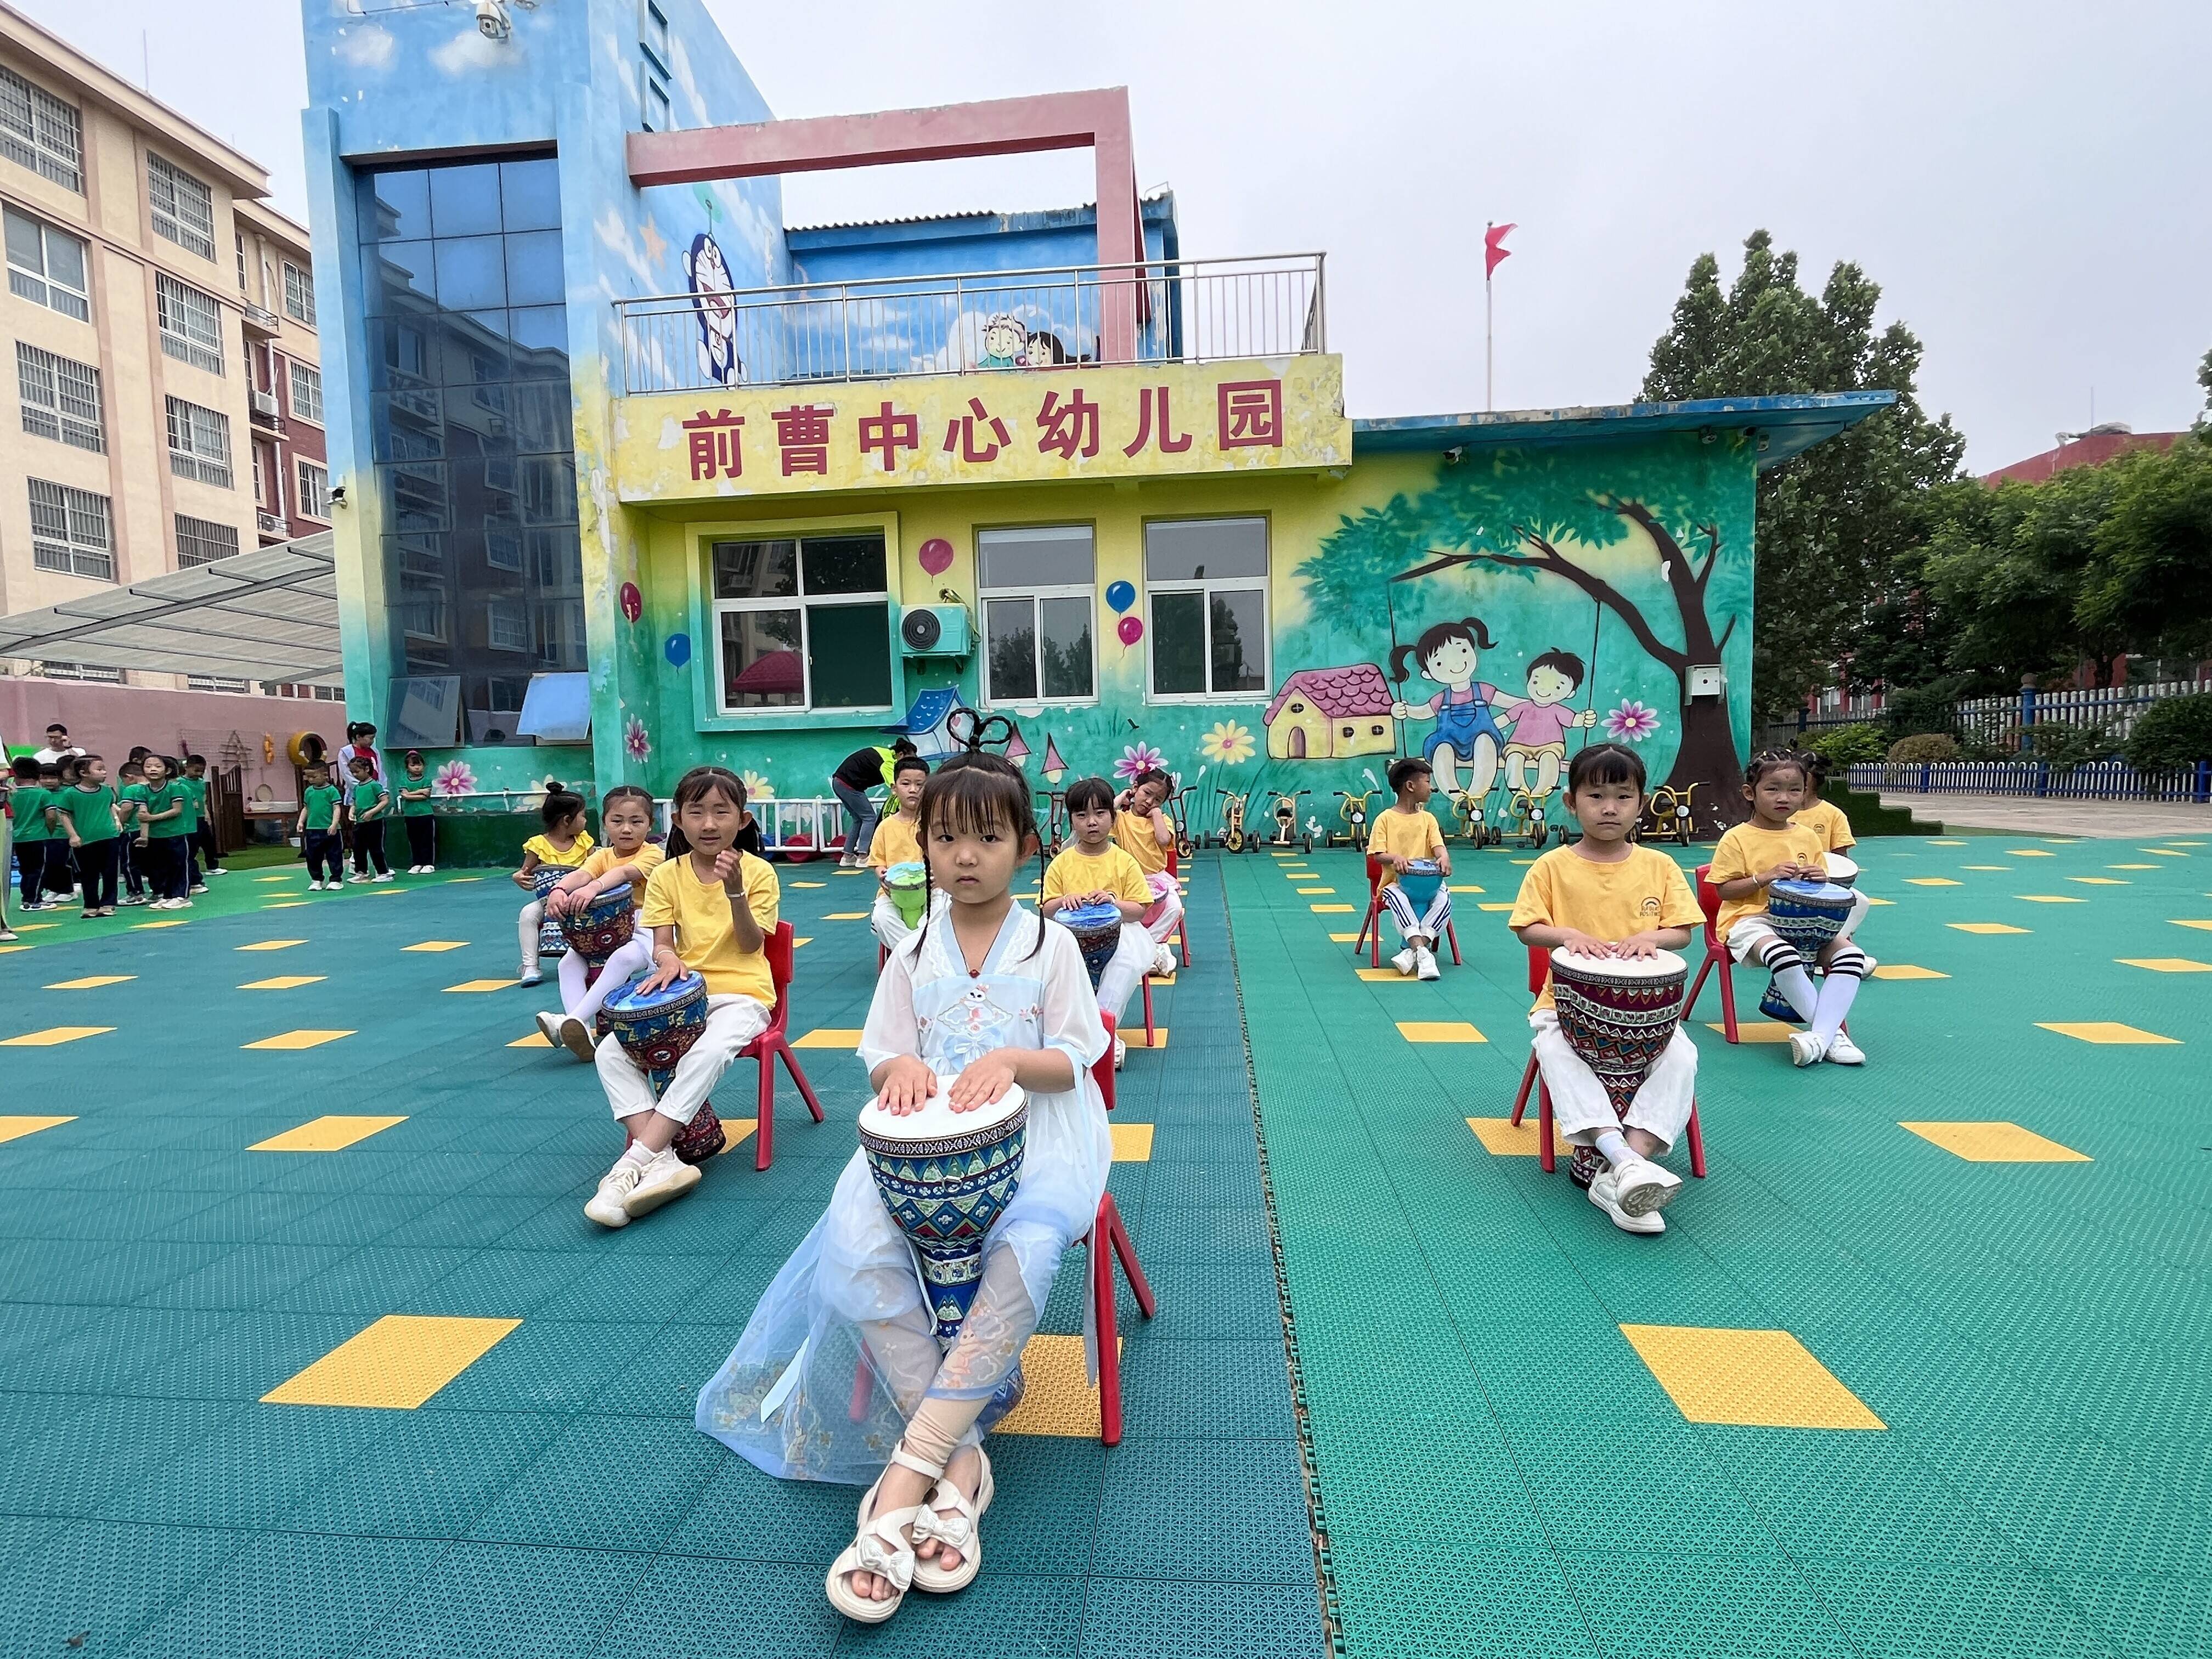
2149 578
1832 520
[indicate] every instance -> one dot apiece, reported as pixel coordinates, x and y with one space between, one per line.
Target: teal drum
656 1030
947 1177
1418 882
1097 930
908 885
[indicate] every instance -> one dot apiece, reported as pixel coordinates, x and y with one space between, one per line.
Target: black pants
132 863
204 843
422 839
31 864
168 867
368 845
321 847
95 869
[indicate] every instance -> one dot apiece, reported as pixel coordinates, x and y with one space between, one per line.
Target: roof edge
1791 423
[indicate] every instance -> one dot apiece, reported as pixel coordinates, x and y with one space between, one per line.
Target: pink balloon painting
1131 629
936 556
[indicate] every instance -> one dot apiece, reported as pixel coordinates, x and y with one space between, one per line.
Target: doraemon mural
707 275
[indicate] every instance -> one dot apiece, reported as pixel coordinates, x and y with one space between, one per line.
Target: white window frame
300 293
716 609
306 377
656 109
313 489
1210 585
187 335
513 611
204 453
41 287
985 596
86 536
203 534
41 132
183 206
61 399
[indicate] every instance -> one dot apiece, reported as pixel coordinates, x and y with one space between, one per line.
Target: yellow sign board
1015 426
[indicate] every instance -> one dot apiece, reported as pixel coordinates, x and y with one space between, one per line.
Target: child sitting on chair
1402 831
1094 869
564 845
1750 859
626 816
897 840
1147 834
1604 896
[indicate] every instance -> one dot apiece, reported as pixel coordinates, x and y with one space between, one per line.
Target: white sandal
880 1548
960 1530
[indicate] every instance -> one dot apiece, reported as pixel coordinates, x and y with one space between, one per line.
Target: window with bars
203 541
47 266
61 399
299 294
190 324
184 207
70 532
307 393
199 443
215 683
80 671
507 624
315 491
38 131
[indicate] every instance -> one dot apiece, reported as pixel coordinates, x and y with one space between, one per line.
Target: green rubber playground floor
1877 1391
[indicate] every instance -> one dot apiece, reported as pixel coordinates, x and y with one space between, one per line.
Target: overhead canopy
1786 425
271 614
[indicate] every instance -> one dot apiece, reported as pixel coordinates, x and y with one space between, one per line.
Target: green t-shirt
28 803
172 793
366 794
91 812
132 794
321 800
412 808
196 787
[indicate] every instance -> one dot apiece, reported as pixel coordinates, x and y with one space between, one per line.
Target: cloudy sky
2023 178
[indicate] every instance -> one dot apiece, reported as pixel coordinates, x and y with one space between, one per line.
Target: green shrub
2065 746
1924 746
1848 745
2175 732
1925 708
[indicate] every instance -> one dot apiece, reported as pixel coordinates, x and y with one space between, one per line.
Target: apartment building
161 318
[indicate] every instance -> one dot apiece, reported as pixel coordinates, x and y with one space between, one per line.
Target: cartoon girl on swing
1464 711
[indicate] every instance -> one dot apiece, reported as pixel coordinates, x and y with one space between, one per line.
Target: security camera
492 20
1455 455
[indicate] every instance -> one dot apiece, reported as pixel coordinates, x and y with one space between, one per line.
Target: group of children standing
354 805
142 838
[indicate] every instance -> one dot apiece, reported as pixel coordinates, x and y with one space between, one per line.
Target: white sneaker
182 904
573 1035
606 1205
1404 963
1121 1052
217 870
666 1177
1424 965
1164 961
385 876
1644 1188
201 888
1805 1048
1844 1052
1606 1195
357 878
549 1027
530 976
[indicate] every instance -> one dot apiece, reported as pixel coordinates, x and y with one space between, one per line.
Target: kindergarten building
622 459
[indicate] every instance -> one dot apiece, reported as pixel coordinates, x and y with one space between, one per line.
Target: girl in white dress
839 1372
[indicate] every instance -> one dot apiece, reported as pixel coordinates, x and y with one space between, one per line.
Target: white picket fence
2096 781
2115 708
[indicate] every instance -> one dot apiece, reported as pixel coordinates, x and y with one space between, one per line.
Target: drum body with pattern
1097 930
907 886
1619 1013
947 1177
656 1032
551 941
1418 882
597 930
1808 915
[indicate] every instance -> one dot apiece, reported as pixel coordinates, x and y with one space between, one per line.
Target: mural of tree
1531 513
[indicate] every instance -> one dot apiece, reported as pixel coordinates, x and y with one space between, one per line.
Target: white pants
732 1022
1429 925
1582 1108
627 961
1751 935
1166 911
1131 961
526 925
890 926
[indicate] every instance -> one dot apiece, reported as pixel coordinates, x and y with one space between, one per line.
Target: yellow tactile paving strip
301 1039
326 1134
2105 1031
396 1364
1758 1379
15 1128
1995 1143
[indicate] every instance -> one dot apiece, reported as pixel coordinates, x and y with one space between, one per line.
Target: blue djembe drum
1418 882
1807 914
596 930
551 941
656 1030
1097 930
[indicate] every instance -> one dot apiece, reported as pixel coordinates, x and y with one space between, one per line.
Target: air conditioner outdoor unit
264 403
936 630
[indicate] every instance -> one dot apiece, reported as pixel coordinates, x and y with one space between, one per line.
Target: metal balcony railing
1177 311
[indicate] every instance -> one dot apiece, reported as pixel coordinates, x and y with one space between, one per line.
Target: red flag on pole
1494 248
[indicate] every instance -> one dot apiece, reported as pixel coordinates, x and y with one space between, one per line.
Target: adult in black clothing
857 774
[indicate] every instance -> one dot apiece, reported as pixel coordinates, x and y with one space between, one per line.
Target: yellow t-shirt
1112 872
700 913
1134 835
1409 835
1611 902
1828 820
579 850
647 859
897 842
1747 850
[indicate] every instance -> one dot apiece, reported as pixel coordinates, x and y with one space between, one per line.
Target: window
299 294
653 31
199 443
652 97
215 683
203 541
308 392
506 623
191 324
238 239
184 207
61 399
46 267
315 491
40 132
69 531
1038 593
1205 581
803 622
80 671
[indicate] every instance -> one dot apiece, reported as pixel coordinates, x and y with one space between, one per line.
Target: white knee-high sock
1797 990
1837 991
1614 1147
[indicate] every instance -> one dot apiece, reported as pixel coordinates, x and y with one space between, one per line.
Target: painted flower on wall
1228 743
637 742
1633 721
1136 758
454 778
756 787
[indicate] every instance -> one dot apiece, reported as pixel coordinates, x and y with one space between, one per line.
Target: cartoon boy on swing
1465 710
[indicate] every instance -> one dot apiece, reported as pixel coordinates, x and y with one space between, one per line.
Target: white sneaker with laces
1163 962
1424 965
530 976
572 1034
1403 962
666 1177
1121 1052
384 876
200 887
1844 1052
549 1027
606 1205
1606 1195
357 878
1644 1188
1805 1048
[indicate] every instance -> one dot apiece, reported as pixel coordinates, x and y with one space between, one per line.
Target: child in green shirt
204 854
318 830
162 826
130 801
26 805
85 814
372 804
414 810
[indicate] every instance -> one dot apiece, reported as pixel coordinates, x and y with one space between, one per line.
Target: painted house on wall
627 461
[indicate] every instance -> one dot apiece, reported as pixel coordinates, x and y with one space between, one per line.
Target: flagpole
1489 357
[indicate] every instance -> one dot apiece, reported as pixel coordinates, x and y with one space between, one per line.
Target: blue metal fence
2094 780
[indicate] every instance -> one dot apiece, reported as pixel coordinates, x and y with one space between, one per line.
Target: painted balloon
678 649
1120 596
936 556
632 602
1131 629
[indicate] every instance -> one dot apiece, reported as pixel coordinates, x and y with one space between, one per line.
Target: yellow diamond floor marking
1332 909
140 926
1058 1399
396 1364
1932 881
535 1040
733 1134
308 1039
1985 866
1465 887
2166 964
91 982
283 982
810 884
437 945
798 939
2105 1032
15 1128
1502 1137
2049 898
2132 866
289 877
1161 979
2180 843
1753 1030
272 944
35 926
2099 881
828 1036
2179 921
288 904
1761 1379
2164 853
325 1134
2028 853
1440 1030
1310 892
482 985
1947 843
1387 976
847 915
52 1035
1995 1143
1524 860
1343 938
456 881
1134 1034
10 949
1501 905
1907 970
1985 928
1133 1142
1871 899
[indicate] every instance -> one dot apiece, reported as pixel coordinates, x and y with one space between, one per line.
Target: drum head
1825 894
908 873
938 1121
629 1001
1088 918
1663 965
1842 870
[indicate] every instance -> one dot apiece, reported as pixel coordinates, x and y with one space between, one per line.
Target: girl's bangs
973 800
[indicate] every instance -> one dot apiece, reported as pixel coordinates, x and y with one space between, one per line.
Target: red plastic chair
1539 969
1108 1230
1180 937
1371 930
774 1043
1717 956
